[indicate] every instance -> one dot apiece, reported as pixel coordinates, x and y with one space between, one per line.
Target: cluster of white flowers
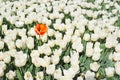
79 25
73 70
28 76
94 52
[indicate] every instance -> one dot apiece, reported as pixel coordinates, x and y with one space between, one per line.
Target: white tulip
2 65
20 59
66 59
57 74
55 59
1 72
90 75
80 78
117 47
94 66
109 71
86 37
89 49
40 75
96 56
28 76
10 75
117 68
50 69
1 21
116 56
30 42
1 44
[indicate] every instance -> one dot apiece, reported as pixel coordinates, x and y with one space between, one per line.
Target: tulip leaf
37 69
101 72
102 46
48 77
115 77
66 66
30 68
19 75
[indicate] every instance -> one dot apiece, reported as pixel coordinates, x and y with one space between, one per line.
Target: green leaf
26 50
115 77
19 75
83 59
87 63
66 66
68 51
101 72
30 68
90 1
109 63
84 44
82 69
117 23
49 77
36 69
105 54
102 46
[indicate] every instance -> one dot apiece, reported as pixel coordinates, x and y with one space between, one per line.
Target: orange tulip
41 29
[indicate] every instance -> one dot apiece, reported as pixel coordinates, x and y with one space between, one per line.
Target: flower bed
60 40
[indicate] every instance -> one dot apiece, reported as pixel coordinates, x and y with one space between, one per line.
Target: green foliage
116 77
117 23
19 74
91 1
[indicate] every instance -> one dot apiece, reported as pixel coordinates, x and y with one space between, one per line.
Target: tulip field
59 39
